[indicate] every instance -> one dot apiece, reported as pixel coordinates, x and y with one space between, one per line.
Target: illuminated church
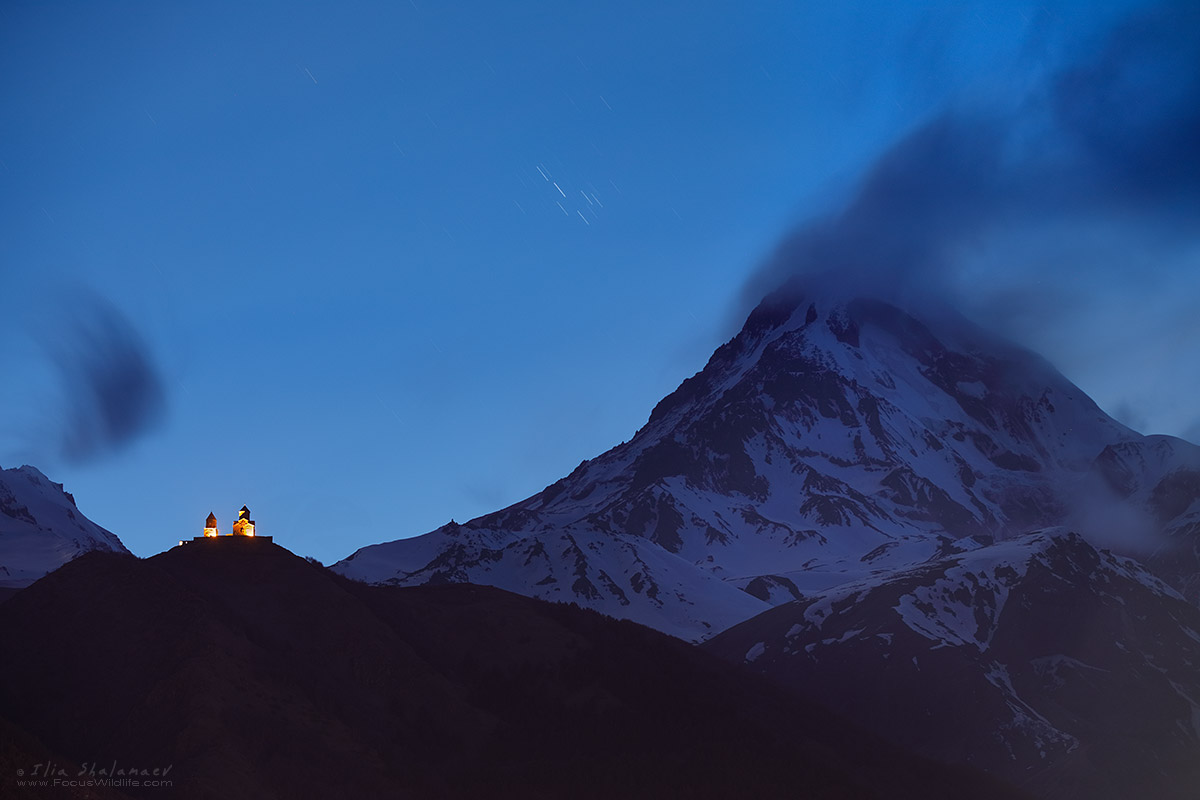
243 527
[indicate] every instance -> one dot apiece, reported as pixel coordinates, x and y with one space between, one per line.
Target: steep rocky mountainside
827 441
1143 497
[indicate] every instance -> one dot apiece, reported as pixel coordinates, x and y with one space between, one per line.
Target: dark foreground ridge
254 673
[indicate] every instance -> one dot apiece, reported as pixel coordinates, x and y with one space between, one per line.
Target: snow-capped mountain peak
829 440
41 528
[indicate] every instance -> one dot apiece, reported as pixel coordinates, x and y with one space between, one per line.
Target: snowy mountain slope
1043 659
828 440
41 529
619 575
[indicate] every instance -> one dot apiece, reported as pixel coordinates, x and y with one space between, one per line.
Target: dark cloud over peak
1033 215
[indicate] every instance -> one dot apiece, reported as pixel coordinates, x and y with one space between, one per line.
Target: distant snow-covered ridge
1034 657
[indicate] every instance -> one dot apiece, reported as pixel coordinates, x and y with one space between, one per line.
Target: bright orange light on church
243 526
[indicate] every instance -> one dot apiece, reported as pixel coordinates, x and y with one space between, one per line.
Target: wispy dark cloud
111 388
1043 216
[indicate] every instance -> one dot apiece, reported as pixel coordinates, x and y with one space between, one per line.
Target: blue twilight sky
368 266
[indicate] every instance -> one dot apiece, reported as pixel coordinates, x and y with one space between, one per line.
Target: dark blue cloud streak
1114 132
111 387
